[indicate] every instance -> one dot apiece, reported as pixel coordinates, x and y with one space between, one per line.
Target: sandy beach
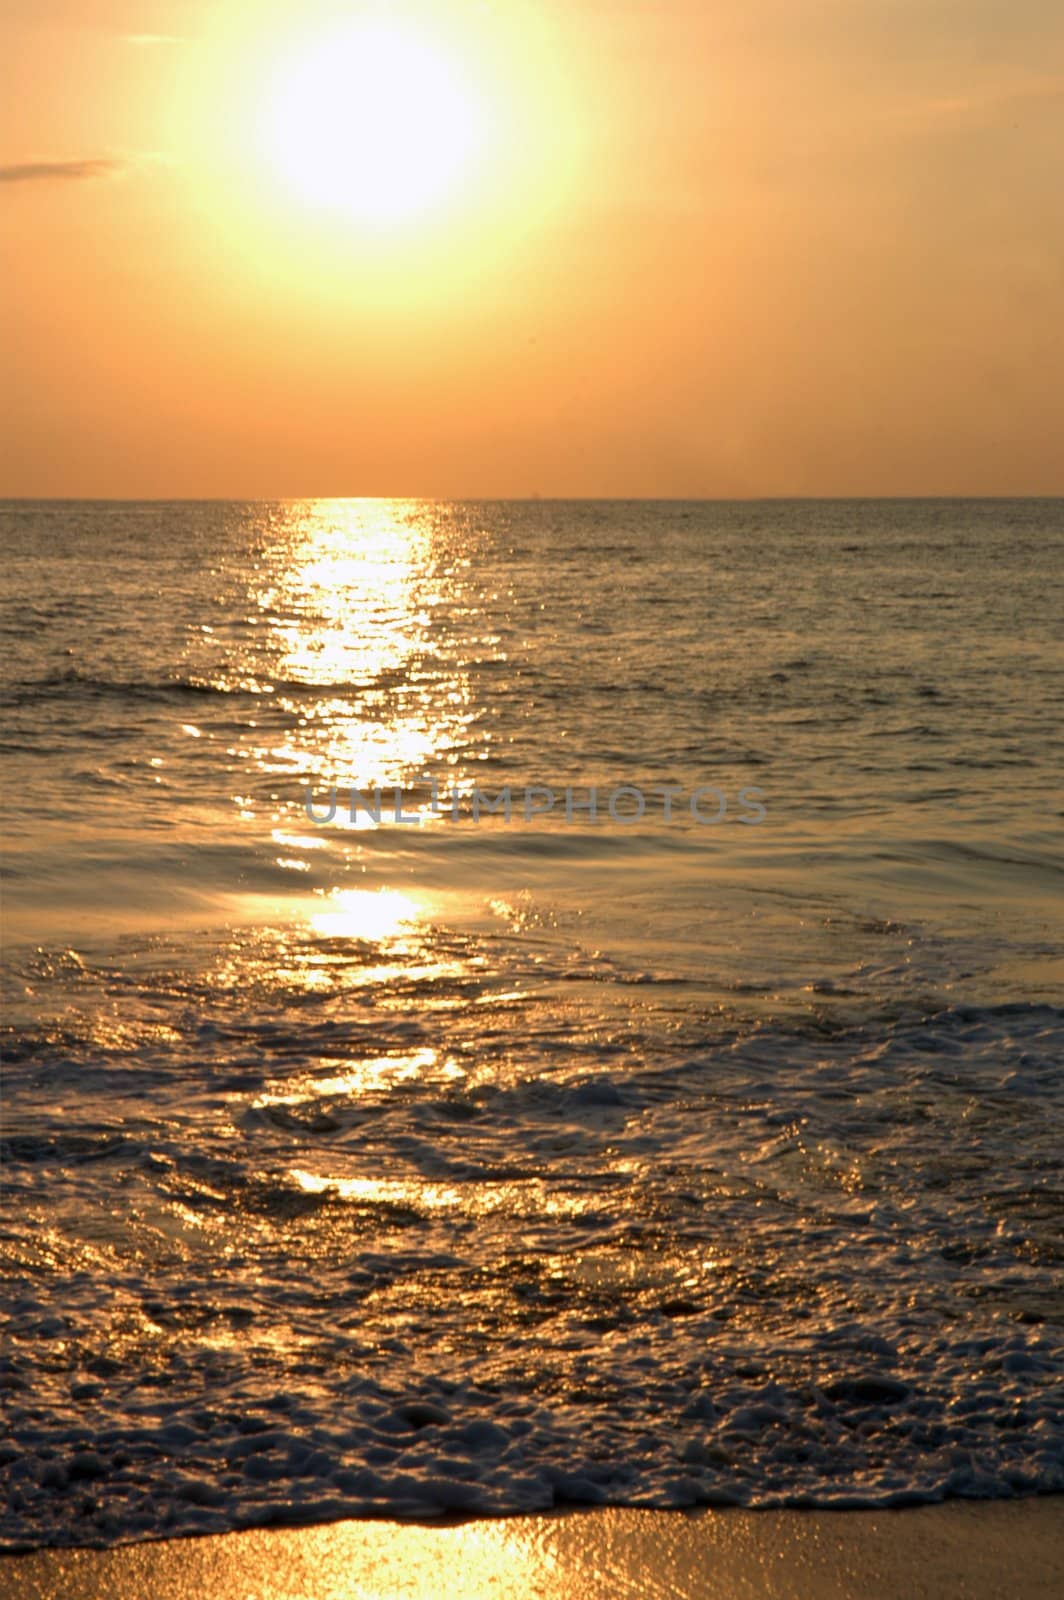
958 1551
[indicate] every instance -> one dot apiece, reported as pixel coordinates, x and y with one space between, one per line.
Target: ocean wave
71 683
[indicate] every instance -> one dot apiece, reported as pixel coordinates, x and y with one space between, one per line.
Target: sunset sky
570 247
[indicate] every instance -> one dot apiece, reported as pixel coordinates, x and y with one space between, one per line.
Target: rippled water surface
481 1164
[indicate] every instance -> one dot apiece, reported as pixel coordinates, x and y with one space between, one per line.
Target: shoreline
958 1550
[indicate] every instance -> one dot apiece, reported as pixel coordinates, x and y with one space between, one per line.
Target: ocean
689 1135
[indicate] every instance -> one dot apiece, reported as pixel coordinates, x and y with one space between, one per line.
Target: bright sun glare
374 121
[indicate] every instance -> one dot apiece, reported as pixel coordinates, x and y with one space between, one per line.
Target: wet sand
959 1551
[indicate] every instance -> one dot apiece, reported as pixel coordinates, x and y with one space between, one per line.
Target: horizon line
512 499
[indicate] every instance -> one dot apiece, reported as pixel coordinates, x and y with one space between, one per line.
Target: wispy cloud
48 171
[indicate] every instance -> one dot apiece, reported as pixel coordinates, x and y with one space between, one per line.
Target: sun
373 121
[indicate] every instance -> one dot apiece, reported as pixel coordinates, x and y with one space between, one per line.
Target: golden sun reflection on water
297 841
374 1073
369 914
529 1198
350 618
381 1191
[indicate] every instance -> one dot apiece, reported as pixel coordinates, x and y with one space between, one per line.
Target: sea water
401 1161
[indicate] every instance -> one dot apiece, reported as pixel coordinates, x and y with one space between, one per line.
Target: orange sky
732 247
